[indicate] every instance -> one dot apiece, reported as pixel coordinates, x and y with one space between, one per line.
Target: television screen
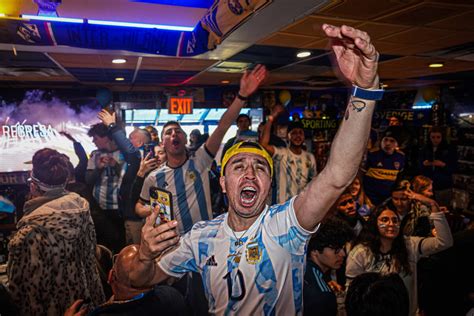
19 141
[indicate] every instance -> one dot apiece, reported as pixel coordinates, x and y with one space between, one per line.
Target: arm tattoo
358 105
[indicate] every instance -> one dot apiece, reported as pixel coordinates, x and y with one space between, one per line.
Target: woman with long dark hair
383 248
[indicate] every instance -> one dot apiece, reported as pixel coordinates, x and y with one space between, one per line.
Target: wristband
241 97
111 125
367 94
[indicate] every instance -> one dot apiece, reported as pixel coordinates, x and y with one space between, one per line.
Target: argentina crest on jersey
253 253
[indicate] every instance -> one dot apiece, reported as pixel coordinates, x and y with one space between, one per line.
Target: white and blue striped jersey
292 173
261 276
106 189
189 186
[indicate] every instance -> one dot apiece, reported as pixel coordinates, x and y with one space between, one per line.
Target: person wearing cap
294 166
244 123
383 166
186 175
252 258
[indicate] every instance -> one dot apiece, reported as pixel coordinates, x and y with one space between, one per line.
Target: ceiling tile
364 9
98 74
215 78
287 40
93 61
399 49
421 14
414 66
311 25
181 64
464 22
379 30
163 77
416 35
25 60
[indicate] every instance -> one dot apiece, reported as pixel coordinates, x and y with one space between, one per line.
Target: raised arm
154 241
267 129
118 135
443 238
356 60
248 84
265 139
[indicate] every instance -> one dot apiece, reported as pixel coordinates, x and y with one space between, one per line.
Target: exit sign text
180 105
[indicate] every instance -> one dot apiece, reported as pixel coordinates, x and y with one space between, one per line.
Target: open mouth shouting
175 143
248 196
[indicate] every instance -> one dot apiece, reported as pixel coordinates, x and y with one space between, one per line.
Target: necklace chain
238 241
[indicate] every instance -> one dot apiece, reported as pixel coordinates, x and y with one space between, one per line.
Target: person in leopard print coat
51 256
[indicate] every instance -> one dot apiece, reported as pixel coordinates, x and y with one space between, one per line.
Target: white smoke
35 108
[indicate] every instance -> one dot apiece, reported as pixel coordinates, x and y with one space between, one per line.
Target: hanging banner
319 124
151 41
222 18
409 117
227 15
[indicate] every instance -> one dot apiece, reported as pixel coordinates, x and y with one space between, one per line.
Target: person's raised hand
106 117
251 80
277 110
147 164
156 240
355 55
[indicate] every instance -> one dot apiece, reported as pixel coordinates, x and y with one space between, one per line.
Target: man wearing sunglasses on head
252 258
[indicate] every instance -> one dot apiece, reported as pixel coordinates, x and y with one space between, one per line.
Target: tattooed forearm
358 105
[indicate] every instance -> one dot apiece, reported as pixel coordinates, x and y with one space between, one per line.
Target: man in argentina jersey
187 176
105 170
294 166
252 258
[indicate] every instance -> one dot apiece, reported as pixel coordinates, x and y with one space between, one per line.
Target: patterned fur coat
51 257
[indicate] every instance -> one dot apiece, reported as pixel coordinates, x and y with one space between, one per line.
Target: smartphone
162 201
149 148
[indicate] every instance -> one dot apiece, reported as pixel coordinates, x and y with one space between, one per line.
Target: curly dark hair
370 237
50 166
374 294
333 233
100 130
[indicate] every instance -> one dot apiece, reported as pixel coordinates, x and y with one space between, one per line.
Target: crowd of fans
376 240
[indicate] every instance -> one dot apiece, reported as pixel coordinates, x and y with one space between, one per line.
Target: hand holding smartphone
161 202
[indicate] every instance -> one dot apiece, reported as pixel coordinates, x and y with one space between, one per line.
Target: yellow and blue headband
246 147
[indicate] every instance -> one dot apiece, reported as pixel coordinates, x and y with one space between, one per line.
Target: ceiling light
119 79
384 85
51 18
303 54
143 25
2 15
110 23
436 65
119 61
225 81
